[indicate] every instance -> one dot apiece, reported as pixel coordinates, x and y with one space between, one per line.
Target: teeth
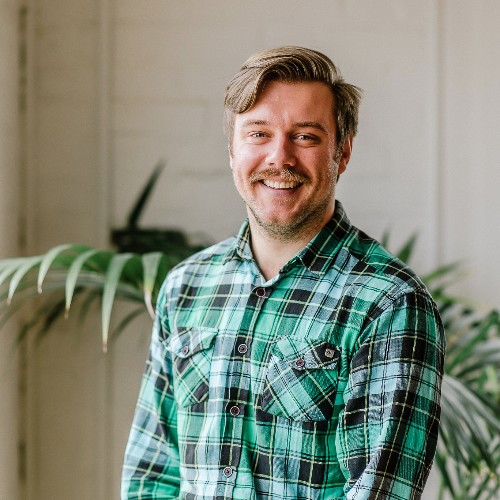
280 185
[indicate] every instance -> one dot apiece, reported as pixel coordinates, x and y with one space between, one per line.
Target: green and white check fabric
321 383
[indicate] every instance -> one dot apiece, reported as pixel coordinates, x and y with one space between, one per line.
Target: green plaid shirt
321 383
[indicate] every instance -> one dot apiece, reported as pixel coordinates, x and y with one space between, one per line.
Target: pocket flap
190 340
303 354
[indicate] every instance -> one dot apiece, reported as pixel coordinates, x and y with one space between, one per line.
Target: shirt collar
241 245
317 255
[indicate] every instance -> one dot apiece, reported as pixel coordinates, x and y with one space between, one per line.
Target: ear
346 154
230 151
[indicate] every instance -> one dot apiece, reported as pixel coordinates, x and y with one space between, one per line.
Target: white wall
120 84
470 125
9 160
66 424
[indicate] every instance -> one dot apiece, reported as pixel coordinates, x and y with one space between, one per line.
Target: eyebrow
316 125
250 123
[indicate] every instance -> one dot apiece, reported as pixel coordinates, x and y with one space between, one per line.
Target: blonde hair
291 64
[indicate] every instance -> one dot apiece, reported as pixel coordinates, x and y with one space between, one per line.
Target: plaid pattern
321 383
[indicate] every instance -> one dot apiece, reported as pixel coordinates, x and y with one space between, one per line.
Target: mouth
282 179
280 184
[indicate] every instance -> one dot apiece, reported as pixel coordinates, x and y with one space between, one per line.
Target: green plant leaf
442 271
74 273
406 251
445 477
460 442
384 239
47 261
151 264
24 267
116 266
8 267
473 436
476 335
484 358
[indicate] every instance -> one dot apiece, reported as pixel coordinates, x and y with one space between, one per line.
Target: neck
272 253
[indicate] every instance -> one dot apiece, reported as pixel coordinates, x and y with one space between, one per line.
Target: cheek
244 163
238 175
248 153
322 163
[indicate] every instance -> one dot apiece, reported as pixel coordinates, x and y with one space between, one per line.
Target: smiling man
298 360
285 160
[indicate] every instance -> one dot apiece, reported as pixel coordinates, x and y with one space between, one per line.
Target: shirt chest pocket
301 380
192 350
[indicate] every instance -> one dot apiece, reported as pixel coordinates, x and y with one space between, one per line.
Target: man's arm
388 431
151 465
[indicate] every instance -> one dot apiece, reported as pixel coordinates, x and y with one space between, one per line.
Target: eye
257 137
306 138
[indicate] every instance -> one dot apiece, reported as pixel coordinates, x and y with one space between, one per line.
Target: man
299 360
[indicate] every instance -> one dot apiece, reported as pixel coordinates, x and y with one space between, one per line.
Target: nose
281 153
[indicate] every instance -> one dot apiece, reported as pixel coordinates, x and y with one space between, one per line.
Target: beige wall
67 425
470 150
9 162
119 84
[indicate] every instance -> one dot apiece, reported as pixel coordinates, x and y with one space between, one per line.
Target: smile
280 184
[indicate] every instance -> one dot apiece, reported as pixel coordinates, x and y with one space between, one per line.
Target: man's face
285 160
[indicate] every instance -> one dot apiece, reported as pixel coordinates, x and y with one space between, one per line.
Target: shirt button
261 292
234 410
228 471
242 348
329 353
300 362
185 350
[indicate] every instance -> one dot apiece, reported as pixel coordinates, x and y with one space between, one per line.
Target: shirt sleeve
388 431
151 464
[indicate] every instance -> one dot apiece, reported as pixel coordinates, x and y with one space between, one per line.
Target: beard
307 223
294 230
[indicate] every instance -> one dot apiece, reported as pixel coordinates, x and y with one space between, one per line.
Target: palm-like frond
70 269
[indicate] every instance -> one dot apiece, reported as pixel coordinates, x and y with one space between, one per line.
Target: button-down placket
237 398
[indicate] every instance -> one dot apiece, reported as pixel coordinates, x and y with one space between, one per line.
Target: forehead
292 102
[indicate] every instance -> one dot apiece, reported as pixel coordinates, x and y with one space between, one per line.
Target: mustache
285 174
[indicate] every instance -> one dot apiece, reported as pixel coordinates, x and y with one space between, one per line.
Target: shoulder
376 275
200 264
201 268
385 295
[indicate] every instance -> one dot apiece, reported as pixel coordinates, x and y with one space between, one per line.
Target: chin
281 228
